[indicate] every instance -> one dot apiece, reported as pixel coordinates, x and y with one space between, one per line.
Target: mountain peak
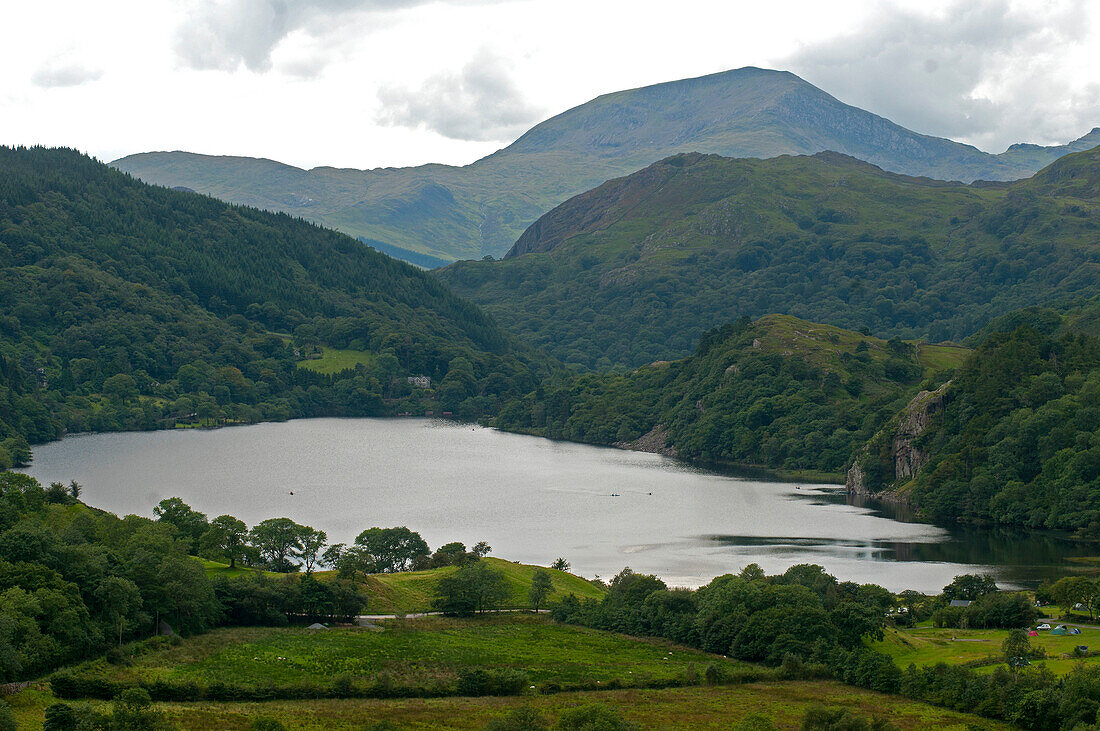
483 208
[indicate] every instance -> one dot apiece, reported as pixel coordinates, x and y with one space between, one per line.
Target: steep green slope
1018 438
124 305
634 270
468 212
780 392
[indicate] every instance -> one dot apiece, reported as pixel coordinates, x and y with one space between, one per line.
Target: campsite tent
1059 631
318 625
1075 630
1032 633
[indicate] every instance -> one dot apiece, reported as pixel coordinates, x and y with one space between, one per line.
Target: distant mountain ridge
636 269
468 212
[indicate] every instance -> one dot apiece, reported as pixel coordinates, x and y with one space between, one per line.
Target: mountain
480 209
636 269
779 392
1014 438
130 306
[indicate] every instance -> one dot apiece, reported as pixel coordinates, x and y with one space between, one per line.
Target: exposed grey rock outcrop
908 459
654 441
906 429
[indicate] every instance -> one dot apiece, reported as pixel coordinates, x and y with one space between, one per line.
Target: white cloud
64 71
480 103
318 101
227 34
989 72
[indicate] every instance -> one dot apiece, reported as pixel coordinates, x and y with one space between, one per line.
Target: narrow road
413 615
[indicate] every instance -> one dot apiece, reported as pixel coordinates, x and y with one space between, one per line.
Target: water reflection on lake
533 500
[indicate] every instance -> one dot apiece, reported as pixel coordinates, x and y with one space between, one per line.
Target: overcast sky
368 83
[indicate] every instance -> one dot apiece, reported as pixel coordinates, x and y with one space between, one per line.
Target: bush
69 685
755 722
266 724
519 719
594 717
7 717
820 718
491 682
60 717
133 711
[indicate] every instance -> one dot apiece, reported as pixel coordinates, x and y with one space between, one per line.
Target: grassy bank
719 707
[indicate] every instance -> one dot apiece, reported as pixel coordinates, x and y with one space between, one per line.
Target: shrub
594 717
820 718
7 717
266 724
133 711
519 719
491 682
60 717
755 722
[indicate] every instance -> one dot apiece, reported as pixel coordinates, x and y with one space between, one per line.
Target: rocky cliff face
654 441
906 457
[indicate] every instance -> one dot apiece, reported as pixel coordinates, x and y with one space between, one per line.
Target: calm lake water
533 500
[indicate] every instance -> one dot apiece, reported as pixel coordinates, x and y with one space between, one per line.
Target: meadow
418 651
784 703
337 360
980 648
407 592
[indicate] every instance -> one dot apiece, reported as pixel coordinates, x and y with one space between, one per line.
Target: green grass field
333 360
412 591
928 646
214 568
426 650
718 707
938 357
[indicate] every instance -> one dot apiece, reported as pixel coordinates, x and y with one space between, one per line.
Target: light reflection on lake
532 499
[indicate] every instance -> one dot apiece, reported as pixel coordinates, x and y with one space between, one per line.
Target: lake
533 500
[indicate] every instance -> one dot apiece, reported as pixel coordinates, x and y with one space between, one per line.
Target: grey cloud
987 71
224 34
61 72
479 103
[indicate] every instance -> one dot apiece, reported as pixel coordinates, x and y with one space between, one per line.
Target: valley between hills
801 289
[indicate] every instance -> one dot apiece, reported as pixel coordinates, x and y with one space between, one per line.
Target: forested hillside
479 209
780 392
128 306
1018 440
638 268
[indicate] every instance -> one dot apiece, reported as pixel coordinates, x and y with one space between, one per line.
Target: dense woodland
128 306
637 269
1019 440
779 392
76 581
